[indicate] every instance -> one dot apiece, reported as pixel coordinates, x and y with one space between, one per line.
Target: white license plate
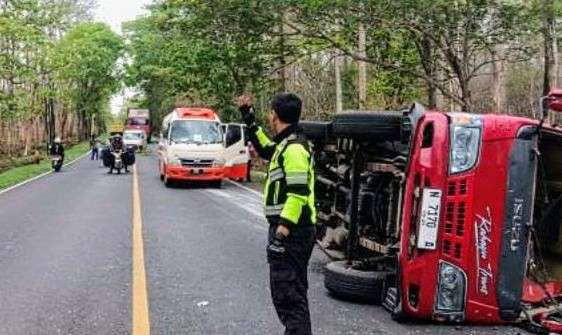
429 218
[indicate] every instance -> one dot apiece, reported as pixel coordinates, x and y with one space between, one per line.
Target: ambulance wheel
167 182
342 281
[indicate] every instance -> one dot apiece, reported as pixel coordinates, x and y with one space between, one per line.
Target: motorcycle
118 163
56 162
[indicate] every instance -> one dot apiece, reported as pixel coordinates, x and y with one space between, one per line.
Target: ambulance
195 146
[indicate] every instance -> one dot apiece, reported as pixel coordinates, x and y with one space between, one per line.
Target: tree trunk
337 75
282 61
430 71
549 60
498 89
362 66
555 55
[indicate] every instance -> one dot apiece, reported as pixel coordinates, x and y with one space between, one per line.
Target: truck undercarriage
360 161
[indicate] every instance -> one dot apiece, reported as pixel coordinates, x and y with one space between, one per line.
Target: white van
135 138
193 146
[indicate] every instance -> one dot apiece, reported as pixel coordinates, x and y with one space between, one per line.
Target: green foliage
43 67
413 40
199 53
85 61
208 51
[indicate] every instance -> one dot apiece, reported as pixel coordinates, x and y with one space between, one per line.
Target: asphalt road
66 261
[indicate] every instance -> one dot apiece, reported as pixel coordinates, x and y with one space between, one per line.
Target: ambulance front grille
197 163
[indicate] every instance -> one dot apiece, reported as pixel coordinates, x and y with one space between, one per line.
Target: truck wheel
217 183
348 283
316 130
369 125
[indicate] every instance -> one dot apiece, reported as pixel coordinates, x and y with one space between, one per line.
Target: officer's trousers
289 281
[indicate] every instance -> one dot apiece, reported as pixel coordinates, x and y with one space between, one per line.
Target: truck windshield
196 131
137 121
132 136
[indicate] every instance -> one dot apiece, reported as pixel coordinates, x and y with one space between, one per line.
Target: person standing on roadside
94 146
289 207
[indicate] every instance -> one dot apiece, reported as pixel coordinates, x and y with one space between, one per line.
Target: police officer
289 207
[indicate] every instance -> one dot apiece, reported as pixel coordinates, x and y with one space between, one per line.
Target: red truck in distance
139 119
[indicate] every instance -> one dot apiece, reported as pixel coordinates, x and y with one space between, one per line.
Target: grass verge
17 175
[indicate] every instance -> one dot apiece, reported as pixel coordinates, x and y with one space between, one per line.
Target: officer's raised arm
262 144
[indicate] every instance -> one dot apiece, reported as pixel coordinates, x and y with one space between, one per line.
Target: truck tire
348 283
316 130
369 125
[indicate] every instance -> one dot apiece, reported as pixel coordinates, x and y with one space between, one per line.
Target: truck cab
193 147
139 119
448 217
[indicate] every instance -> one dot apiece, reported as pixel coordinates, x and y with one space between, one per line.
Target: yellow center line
141 323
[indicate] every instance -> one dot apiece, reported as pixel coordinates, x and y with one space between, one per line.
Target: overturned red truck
450 217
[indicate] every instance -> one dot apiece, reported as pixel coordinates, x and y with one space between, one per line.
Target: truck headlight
220 162
175 161
451 288
466 135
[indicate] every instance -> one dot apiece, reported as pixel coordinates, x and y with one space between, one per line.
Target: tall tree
85 60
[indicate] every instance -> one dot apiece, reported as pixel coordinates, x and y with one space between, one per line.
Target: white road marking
237 202
41 175
245 197
244 187
220 193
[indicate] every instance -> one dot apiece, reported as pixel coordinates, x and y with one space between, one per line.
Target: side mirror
555 100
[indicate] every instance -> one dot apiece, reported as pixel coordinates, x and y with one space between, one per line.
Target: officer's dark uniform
289 200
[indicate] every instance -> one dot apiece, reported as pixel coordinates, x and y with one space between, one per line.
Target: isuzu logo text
482 231
516 224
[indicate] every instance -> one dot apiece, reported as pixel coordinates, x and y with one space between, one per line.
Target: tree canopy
211 50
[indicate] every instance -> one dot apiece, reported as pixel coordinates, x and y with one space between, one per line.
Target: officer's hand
244 100
276 249
244 103
248 116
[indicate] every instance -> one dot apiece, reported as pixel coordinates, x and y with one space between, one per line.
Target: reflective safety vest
289 184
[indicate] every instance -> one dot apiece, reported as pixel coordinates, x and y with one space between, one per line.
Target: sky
114 13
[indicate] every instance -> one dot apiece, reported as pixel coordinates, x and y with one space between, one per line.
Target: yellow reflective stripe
276 174
263 140
297 178
273 210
